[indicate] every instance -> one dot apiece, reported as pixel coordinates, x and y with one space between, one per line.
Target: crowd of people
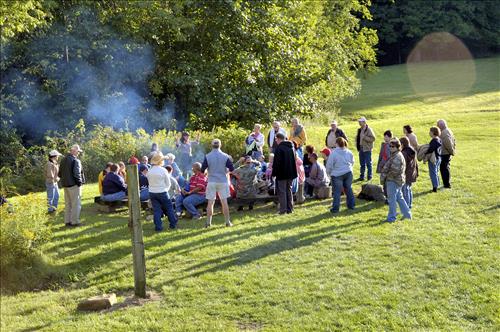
175 182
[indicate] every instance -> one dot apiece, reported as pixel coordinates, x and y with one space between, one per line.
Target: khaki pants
72 204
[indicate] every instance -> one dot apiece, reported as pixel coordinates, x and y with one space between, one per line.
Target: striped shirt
198 181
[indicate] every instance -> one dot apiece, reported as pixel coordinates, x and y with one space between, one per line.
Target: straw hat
157 159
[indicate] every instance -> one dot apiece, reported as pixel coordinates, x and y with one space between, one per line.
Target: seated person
143 182
101 176
196 194
307 163
175 189
145 161
263 167
317 176
113 186
247 179
176 171
122 171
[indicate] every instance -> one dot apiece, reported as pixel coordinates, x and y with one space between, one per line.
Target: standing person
384 154
51 179
301 179
447 150
246 176
411 170
184 148
408 131
298 135
333 133
434 147
393 175
217 163
154 150
72 179
317 176
271 136
339 166
285 170
364 143
254 142
159 184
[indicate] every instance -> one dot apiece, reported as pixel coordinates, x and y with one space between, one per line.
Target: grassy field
308 271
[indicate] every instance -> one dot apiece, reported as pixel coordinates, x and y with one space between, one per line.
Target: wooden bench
109 207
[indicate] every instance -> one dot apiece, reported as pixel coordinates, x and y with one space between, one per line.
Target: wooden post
134 208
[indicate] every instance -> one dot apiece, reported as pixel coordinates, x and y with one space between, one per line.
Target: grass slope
308 271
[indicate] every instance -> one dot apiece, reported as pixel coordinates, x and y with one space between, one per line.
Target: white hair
170 156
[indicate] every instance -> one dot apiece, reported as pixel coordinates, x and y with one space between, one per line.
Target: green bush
104 144
24 228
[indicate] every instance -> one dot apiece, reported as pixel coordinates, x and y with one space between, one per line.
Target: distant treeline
400 24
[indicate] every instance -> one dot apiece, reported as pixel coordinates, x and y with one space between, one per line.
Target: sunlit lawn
309 270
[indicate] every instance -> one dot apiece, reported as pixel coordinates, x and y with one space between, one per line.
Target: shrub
104 144
24 228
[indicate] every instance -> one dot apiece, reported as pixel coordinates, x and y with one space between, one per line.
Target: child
384 154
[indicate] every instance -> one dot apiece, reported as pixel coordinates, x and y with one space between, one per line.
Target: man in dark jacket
72 179
333 133
285 170
113 186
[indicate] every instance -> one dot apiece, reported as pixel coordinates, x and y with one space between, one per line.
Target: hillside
308 271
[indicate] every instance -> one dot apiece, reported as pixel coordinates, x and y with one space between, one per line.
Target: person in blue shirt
113 186
143 182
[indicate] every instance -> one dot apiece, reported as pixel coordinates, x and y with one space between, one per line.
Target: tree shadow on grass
255 253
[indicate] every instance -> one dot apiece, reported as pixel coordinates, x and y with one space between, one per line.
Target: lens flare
439 64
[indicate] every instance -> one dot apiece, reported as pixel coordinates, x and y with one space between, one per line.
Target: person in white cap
72 180
364 143
51 179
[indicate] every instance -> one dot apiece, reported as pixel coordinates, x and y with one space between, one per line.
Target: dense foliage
176 64
400 24
24 228
103 144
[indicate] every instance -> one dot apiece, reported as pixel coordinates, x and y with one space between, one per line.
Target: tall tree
402 23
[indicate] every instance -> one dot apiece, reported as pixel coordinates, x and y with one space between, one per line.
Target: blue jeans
162 205
365 161
433 172
52 196
339 182
114 197
407 194
395 195
189 203
144 194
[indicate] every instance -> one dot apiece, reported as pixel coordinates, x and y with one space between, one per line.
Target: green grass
308 271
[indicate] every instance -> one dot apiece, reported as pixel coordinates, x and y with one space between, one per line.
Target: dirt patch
132 301
249 326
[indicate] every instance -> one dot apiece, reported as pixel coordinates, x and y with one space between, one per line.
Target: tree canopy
176 64
402 23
